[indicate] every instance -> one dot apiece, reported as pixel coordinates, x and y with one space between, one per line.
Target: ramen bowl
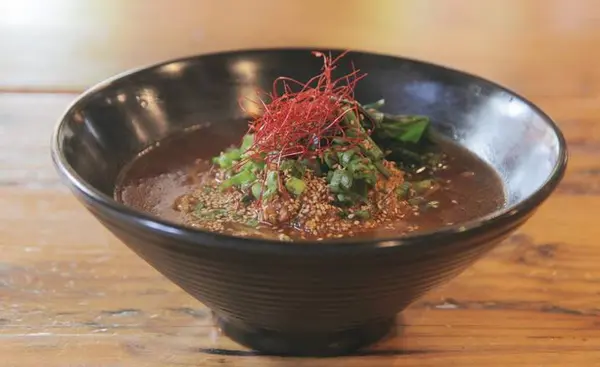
322 298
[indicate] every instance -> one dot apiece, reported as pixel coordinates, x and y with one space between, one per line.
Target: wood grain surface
72 295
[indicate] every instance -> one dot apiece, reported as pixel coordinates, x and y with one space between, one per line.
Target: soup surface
166 179
312 163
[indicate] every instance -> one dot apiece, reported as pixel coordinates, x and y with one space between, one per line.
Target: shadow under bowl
317 299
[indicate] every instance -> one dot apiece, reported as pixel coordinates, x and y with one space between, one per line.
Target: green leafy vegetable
403 135
375 105
408 129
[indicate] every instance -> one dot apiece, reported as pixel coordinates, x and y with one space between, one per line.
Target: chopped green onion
362 214
198 208
225 159
247 142
416 200
370 179
247 199
209 214
340 180
272 184
343 214
403 191
286 165
329 159
293 167
421 187
339 141
295 185
241 178
272 179
343 198
346 157
256 190
252 223
346 180
356 166
368 146
381 168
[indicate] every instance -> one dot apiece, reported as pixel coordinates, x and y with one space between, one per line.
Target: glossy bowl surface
312 299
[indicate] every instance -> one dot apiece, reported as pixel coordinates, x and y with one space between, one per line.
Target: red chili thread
303 124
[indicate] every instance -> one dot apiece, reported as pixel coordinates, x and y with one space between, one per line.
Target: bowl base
305 344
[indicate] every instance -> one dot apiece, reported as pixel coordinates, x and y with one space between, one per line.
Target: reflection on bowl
327 298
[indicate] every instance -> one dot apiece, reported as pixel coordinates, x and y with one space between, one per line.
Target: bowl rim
425 240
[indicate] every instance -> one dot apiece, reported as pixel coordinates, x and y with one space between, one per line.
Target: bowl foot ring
279 343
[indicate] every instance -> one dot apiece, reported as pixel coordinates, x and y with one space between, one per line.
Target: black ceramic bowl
317 299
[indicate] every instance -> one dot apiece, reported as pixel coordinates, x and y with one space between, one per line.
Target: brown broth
153 181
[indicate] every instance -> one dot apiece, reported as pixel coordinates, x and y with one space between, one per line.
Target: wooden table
72 295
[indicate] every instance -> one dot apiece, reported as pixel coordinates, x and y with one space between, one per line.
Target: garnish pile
311 166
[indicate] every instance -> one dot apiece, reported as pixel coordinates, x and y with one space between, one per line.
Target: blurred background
67 45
